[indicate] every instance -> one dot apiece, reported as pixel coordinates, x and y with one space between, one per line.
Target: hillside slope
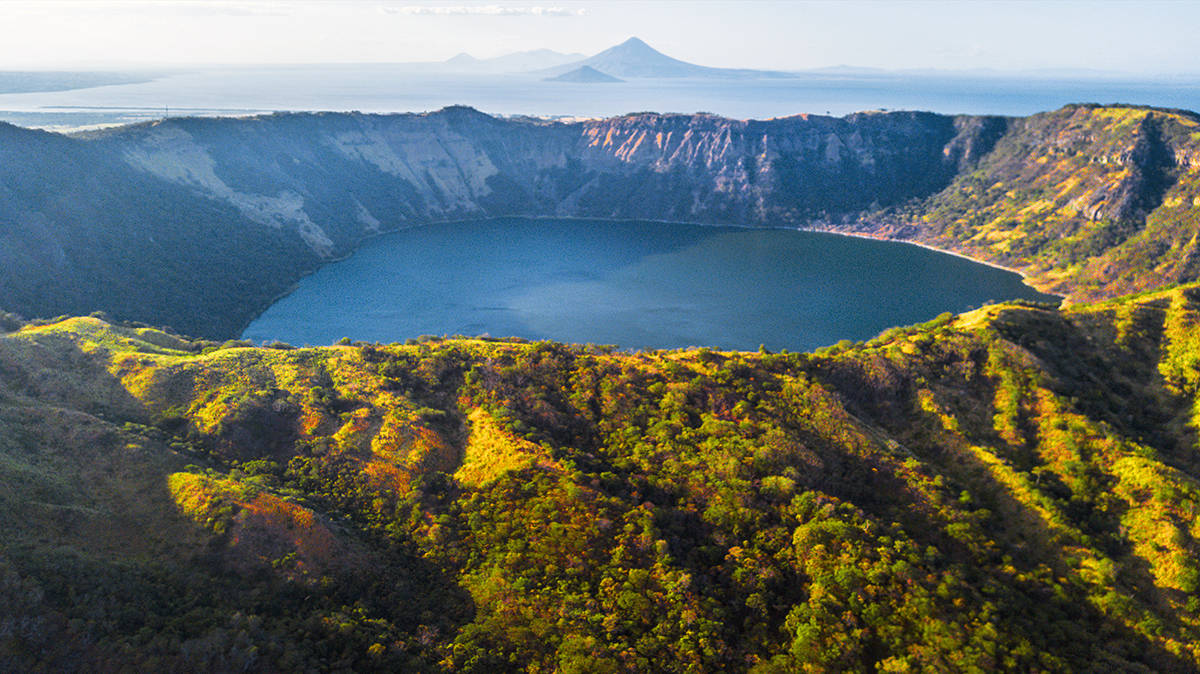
1014 488
81 231
1090 201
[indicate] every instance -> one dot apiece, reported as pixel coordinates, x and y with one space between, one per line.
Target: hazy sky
1135 37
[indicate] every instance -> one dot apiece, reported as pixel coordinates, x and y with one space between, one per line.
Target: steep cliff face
780 171
331 179
1088 200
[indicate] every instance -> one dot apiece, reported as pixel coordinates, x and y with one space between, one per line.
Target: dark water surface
634 284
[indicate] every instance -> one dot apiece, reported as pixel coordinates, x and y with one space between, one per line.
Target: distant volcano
635 58
585 74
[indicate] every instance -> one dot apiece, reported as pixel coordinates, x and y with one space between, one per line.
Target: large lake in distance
385 88
640 285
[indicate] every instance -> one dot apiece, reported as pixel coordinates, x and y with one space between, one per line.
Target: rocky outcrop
326 177
775 172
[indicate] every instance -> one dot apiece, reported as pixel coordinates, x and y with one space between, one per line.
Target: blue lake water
634 284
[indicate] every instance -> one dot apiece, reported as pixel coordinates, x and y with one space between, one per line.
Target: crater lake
639 285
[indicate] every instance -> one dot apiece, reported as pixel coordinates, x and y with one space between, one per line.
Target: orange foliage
430 451
310 422
270 527
386 477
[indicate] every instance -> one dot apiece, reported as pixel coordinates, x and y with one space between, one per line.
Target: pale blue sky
1135 37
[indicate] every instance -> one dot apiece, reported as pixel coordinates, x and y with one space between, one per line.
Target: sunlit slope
1014 488
1090 201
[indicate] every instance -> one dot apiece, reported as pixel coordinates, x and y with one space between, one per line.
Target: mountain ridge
146 212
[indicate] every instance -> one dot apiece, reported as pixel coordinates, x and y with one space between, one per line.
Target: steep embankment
81 230
333 178
709 169
1011 489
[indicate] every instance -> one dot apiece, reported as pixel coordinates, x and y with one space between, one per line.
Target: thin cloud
121 7
483 10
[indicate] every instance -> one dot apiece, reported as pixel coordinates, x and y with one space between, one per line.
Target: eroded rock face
293 172
172 154
775 172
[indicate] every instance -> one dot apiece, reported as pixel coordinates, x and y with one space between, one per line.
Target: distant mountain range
522 61
632 58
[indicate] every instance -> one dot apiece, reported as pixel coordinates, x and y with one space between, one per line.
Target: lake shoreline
926 246
553 237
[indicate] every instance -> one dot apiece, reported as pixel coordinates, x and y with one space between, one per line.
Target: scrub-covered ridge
1090 201
1010 489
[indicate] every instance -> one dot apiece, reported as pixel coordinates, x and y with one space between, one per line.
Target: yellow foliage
492 451
429 451
354 434
391 442
1155 522
201 496
260 526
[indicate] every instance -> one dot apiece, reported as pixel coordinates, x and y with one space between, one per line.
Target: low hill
522 61
1011 489
584 74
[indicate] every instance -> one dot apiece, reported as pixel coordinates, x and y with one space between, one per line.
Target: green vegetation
1090 201
1015 488
1011 489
